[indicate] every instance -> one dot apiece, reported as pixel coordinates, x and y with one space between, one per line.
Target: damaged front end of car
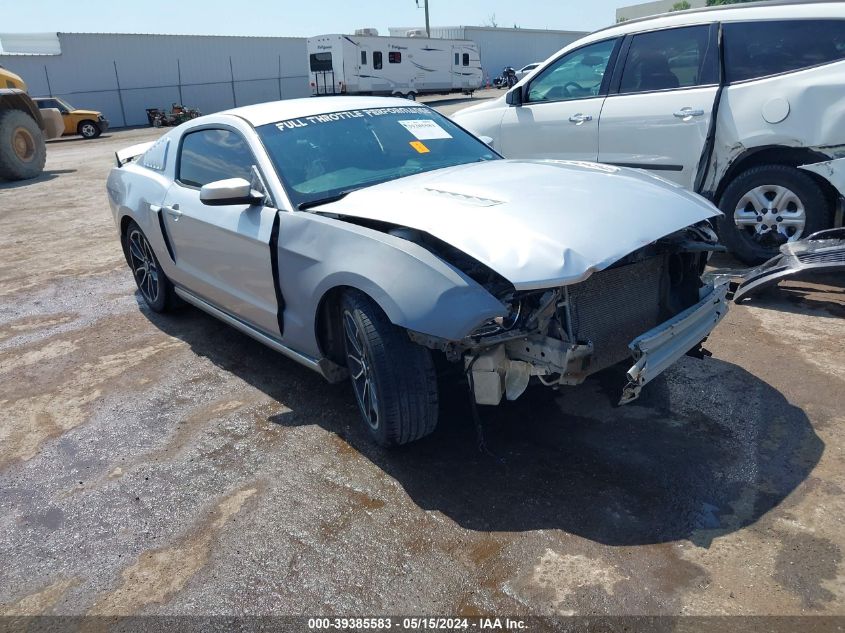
651 306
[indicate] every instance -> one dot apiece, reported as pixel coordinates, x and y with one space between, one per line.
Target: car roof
765 10
264 113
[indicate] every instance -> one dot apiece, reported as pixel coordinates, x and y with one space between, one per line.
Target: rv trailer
367 64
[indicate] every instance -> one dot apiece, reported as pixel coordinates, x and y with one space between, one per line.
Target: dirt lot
168 464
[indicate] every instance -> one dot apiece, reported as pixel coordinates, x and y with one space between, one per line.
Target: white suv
744 105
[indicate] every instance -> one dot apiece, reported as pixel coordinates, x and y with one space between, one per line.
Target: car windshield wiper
317 202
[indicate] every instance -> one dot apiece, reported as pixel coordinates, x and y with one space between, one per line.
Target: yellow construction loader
23 129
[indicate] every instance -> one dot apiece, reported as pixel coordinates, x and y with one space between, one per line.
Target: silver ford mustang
364 237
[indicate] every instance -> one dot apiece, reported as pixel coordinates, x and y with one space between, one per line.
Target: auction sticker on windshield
424 129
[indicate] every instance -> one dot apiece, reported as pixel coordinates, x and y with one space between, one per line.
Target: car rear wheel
88 129
393 378
153 284
768 206
22 149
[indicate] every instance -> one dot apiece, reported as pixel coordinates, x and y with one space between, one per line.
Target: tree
713 3
680 6
491 21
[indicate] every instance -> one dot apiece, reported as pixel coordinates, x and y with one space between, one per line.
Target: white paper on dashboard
424 129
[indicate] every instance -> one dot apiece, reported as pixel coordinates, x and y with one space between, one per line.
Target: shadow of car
708 449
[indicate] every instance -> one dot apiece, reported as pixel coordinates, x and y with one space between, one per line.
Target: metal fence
212 74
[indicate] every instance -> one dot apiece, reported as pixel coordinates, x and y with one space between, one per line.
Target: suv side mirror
230 191
514 97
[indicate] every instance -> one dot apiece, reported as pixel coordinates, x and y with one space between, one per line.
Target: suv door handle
686 113
579 118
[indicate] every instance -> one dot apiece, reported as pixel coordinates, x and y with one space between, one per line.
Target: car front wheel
393 378
768 206
88 129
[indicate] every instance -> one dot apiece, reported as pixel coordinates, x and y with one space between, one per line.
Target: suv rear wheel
767 206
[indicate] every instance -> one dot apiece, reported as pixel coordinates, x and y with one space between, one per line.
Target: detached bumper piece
821 252
661 346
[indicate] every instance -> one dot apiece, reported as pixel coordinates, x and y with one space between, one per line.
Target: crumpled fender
831 170
416 289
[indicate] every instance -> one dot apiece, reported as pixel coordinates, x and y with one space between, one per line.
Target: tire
88 129
750 198
411 96
153 284
384 362
22 148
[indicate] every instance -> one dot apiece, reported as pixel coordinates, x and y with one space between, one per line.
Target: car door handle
686 113
579 118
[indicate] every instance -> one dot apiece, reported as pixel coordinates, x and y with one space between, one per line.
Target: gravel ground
157 464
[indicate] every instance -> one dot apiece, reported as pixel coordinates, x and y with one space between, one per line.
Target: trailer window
363 58
466 59
457 59
321 62
377 60
394 58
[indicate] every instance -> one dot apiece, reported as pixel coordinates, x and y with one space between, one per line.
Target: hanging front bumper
661 346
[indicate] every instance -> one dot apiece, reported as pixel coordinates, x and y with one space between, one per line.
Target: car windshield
324 156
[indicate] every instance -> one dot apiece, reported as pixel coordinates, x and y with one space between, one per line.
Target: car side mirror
230 191
514 97
487 140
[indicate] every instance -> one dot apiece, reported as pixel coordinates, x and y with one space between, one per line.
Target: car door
222 253
657 115
559 113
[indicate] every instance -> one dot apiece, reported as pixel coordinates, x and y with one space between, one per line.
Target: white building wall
211 73
500 47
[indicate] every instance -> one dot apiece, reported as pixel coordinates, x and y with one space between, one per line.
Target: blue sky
289 17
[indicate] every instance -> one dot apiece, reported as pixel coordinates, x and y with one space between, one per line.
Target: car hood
489 104
538 223
92 113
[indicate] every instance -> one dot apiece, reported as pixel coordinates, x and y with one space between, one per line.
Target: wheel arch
777 155
328 327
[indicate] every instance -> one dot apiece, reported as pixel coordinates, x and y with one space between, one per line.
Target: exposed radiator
613 307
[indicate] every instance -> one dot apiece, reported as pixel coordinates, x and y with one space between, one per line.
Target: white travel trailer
408 66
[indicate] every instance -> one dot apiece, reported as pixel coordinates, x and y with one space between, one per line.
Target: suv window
665 60
757 49
209 155
576 75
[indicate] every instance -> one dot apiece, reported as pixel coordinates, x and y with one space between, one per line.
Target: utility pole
427 27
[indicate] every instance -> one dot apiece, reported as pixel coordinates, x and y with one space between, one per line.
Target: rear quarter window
760 49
